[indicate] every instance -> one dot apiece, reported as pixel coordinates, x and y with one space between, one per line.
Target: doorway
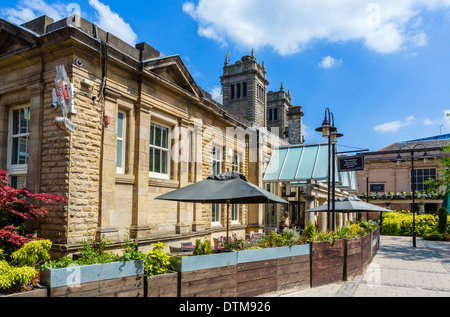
297 213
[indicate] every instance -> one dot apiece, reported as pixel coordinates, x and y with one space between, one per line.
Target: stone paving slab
398 270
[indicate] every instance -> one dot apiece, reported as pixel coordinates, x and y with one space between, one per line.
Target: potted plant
159 280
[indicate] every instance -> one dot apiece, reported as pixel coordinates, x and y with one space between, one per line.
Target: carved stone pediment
14 39
173 70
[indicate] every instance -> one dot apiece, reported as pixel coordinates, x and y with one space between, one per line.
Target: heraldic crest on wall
63 94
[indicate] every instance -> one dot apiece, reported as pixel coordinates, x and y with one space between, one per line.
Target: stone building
138 126
244 91
383 174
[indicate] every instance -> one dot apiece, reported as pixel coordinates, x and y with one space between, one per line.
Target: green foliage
130 251
62 262
344 233
16 279
235 243
290 237
442 224
326 236
349 231
310 232
32 253
202 248
401 223
274 240
95 252
355 230
444 171
156 260
433 235
21 274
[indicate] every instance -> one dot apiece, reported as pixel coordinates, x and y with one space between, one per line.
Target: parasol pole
228 215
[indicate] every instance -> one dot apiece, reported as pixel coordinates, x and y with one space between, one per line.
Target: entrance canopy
298 163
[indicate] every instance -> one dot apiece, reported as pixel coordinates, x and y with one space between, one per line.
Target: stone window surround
17 169
168 158
123 139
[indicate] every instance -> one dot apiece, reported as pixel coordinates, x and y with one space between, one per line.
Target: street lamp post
413 207
329 131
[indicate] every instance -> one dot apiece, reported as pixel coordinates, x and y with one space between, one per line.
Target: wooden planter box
40 291
344 259
262 271
353 258
97 280
164 285
327 262
244 273
211 275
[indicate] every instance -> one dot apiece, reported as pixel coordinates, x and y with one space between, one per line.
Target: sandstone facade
148 89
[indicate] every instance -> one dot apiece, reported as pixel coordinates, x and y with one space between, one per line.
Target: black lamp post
413 207
329 132
334 136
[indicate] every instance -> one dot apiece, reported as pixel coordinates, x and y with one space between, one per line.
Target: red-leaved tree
17 206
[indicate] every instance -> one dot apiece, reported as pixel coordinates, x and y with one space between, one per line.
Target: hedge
400 223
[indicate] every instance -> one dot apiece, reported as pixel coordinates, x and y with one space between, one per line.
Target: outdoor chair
187 246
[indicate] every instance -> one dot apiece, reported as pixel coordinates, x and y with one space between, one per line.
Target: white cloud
216 93
27 10
394 126
113 23
289 26
427 121
108 20
329 62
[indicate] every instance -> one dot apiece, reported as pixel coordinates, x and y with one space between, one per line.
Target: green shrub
202 248
32 253
291 237
433 235
21 274
442 212
156 260
326 236
344 233
401 223
16 279
310 232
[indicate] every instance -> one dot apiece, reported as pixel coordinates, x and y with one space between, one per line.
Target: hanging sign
351 163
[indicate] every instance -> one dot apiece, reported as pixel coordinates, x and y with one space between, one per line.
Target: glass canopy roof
303 162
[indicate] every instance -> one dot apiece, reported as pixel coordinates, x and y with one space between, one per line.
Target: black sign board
351 163
377 188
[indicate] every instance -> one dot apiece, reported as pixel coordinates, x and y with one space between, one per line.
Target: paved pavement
397 270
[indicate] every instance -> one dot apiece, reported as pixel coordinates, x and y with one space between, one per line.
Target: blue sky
382 67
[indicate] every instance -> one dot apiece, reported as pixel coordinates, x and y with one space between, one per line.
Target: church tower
278 103
244 89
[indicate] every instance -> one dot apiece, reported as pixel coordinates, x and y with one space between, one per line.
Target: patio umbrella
226 188
446 202
350 204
